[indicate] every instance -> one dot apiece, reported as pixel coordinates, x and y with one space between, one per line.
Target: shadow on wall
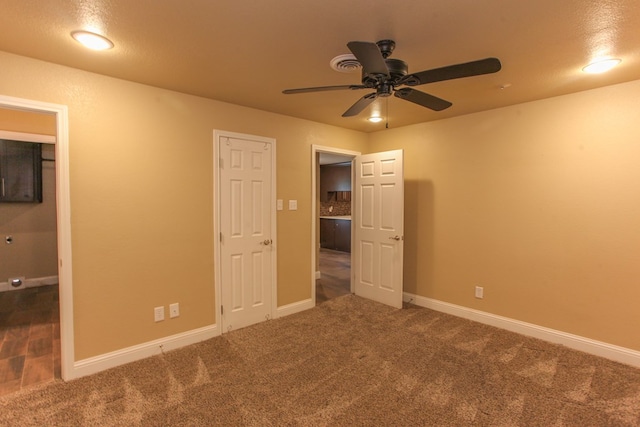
418 221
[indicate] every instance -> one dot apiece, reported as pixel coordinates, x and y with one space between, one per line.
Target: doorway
377 226
332 215
29 310
60 152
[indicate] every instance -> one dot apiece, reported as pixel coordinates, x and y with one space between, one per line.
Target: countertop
347 217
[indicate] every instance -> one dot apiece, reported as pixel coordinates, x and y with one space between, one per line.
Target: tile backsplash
335 208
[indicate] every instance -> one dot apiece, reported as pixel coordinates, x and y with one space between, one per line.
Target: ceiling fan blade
468 69
360 105
369 56
322 89
423 99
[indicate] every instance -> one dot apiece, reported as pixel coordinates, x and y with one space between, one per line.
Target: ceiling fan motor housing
397 69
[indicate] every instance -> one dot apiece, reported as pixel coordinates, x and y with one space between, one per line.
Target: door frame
315 217
217 262
63 223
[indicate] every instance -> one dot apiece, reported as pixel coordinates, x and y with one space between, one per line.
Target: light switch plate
293 205
158 314
279 204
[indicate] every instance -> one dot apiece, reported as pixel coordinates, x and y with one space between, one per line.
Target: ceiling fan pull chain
386 125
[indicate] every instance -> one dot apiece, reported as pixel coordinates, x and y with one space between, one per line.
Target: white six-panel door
246 235
379 227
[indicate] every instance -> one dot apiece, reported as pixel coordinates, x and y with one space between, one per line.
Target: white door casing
379 227
63 214
245 243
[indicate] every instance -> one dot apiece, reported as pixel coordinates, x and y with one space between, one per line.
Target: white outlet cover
293 205
479 292
279 204
174 310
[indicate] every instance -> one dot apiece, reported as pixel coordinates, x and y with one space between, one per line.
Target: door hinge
222 310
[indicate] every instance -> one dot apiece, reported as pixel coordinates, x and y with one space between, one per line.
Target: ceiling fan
385 75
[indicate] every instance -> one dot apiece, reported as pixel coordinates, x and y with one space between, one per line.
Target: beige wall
27 122
538 203
141 181
33 253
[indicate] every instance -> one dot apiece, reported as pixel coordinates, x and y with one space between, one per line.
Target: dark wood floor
29 337
335 271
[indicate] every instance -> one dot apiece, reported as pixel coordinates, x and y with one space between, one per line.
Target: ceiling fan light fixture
601 65
375 119
92 40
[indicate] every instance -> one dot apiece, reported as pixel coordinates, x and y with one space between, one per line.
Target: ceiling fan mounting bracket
386 47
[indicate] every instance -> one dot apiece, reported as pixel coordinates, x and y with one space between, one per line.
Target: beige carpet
348 362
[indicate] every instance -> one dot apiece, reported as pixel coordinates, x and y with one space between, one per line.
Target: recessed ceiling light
601 66
375 119
92 40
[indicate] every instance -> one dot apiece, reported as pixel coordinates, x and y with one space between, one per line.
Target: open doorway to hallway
30 347
334 176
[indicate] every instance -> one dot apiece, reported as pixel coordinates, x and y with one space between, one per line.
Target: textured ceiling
246 52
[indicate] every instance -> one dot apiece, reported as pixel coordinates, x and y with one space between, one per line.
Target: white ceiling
247 51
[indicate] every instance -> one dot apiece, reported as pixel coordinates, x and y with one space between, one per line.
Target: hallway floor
29 337
335 272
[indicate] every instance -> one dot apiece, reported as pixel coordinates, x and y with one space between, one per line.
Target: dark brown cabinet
335 234
20 171
335 182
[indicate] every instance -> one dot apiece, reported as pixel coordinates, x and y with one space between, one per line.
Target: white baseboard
30 283
105 361
587 345
295 307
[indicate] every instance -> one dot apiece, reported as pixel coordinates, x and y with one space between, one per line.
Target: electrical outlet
293 205
479 292
158 314
174 310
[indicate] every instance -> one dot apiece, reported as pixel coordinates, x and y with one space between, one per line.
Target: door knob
266 242
395 238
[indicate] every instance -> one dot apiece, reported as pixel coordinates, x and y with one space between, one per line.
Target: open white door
379 227
247 229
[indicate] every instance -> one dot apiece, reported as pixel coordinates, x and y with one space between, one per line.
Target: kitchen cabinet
335 182
335 234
